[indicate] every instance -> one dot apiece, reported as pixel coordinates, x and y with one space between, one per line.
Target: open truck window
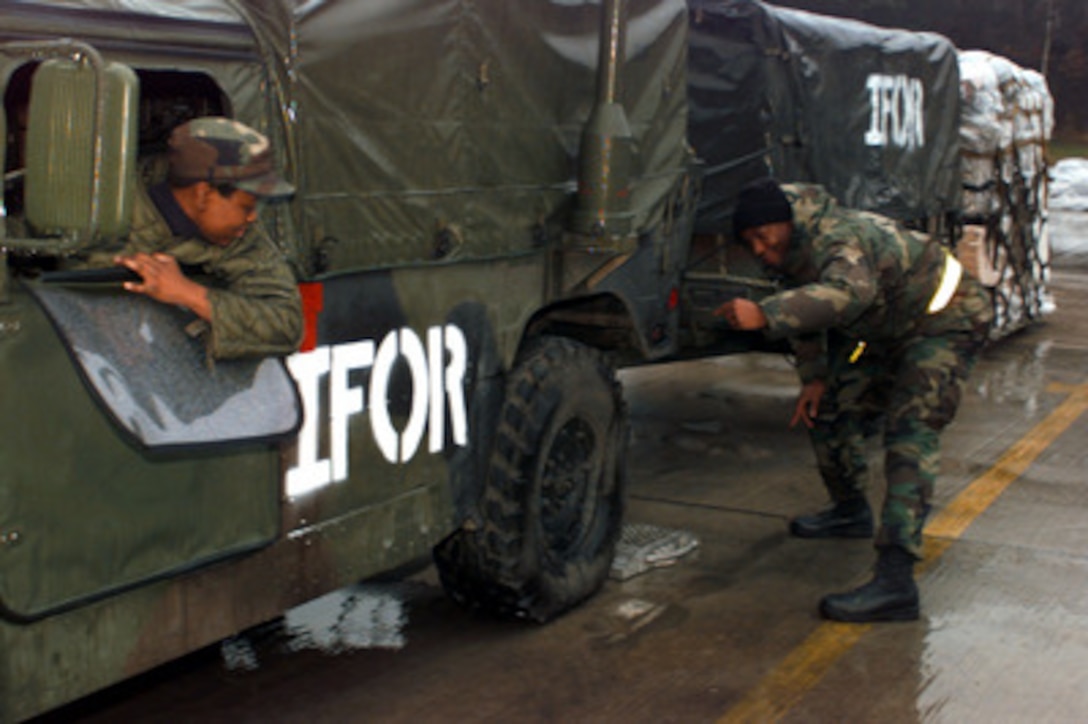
167 99
16 102
170 98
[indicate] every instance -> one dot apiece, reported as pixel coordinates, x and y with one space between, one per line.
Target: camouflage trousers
913 390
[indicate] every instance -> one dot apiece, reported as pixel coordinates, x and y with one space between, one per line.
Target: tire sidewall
583 394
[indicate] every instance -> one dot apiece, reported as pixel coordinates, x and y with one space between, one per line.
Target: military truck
480 221
897 122
498 203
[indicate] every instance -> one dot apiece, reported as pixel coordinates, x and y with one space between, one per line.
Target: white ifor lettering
310 472
345 400
875 136
437 373
897 111
404 344
455 345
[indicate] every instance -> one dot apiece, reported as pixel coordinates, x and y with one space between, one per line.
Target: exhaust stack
602 215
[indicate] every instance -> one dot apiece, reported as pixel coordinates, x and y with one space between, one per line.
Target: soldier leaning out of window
204 217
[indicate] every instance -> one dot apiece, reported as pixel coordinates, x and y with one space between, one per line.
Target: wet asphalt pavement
730 631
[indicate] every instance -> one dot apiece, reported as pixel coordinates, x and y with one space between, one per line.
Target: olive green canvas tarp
197 10
455 120
420 130
871 113
206 28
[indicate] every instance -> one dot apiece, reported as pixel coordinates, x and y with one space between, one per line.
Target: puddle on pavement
360 617
365 616
1004 662
631 618
1021 378
755 375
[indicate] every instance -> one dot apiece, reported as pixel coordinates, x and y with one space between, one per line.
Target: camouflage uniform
256 308
255 303
856 277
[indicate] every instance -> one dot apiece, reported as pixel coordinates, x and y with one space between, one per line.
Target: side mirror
81 150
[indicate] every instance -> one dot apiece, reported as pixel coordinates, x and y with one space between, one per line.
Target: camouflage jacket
256 308
865 276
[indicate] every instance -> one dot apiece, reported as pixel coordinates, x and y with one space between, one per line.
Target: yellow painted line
801 670
953 520
782 688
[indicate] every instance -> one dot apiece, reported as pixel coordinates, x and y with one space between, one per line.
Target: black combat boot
846 519
892 595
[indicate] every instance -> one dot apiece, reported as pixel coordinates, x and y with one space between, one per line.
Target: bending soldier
883 321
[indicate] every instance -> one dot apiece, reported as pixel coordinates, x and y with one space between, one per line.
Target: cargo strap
950 279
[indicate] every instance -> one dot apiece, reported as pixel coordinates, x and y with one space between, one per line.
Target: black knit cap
760 202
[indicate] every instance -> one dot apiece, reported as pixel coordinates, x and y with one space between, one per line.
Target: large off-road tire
552 507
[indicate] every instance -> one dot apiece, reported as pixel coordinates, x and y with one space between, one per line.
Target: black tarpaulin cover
871 113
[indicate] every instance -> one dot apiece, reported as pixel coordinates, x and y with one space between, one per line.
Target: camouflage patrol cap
224 151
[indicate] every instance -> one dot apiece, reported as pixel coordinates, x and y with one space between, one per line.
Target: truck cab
493 208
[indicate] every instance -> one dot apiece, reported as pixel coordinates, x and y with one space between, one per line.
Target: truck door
125 456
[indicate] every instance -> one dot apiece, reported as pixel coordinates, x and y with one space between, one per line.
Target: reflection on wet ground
1007 636
360 617
364 616
1019 377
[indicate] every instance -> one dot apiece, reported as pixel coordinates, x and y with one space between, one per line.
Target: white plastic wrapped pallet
1007 115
